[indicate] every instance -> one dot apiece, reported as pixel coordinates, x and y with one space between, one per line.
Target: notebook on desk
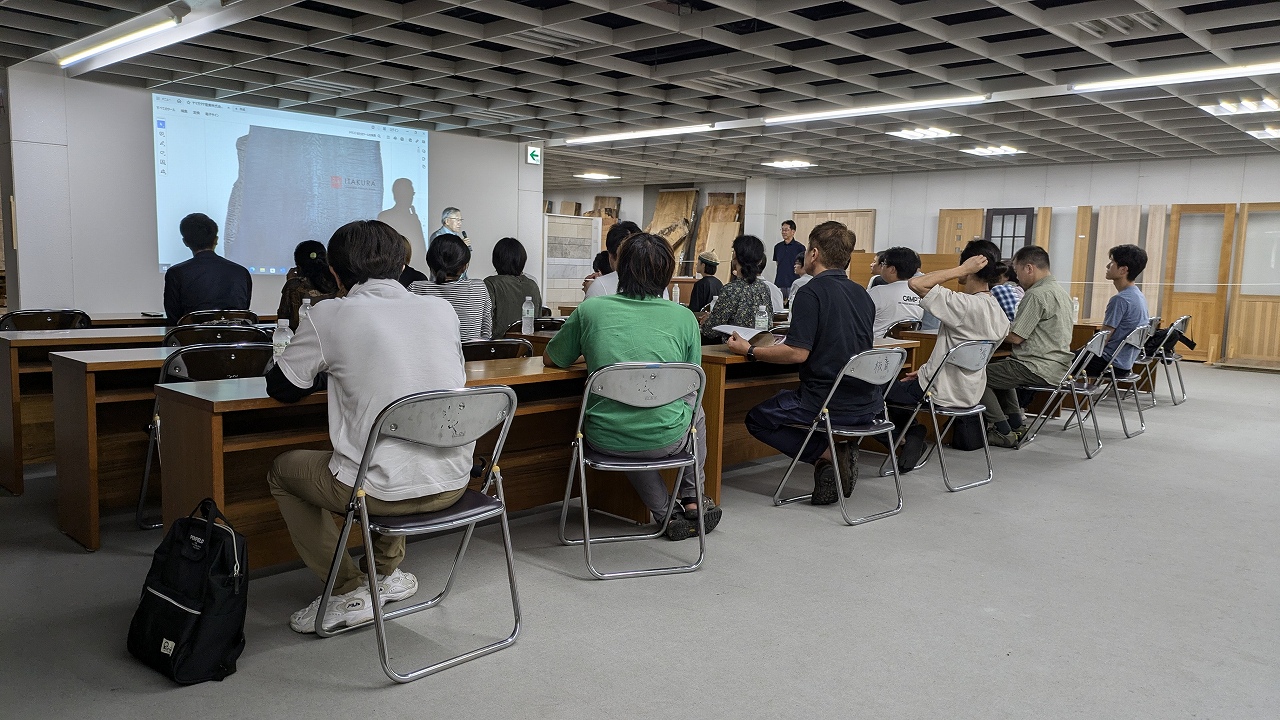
757 338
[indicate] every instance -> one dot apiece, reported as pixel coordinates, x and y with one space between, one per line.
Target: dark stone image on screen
296 186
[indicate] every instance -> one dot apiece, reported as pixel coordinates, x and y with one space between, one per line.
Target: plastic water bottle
762 318
306 308
526 316
714 298
281 338
675 294
1075 310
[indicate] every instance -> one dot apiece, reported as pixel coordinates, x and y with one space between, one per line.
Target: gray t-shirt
1126 311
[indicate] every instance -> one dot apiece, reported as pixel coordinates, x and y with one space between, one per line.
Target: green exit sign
533 155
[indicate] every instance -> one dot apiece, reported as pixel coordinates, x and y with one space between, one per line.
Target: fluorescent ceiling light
1266 134
1233 71
1244 107
878 109
635 134
111 43
598 176
992 150
789 164
923 133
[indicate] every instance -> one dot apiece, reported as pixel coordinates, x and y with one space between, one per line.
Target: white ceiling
546 70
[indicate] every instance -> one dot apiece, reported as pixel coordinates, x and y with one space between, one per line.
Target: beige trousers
309 496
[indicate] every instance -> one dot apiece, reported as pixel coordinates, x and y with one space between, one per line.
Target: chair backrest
1091 349
1138 337
896 330
214 335
877 366
542 324
646 385
972 355
1155 322
45 320
204 317
496 349
216 362
544 311
443 419
780 329
1180 325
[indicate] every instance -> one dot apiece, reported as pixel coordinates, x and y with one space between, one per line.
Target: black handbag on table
189 625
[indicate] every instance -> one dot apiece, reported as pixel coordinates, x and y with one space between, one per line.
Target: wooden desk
102 402
538 339
137 320
220 439
26 389
734 386
1081 333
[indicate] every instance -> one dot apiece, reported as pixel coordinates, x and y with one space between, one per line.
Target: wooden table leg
10 423
191 454
713 408
76 452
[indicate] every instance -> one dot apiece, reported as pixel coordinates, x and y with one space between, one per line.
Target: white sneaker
350 609
399 585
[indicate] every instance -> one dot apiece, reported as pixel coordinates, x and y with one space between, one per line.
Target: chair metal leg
1051 405
1077 398
1177 366
152 441
575 463
777 494
942 462
1142 423
897 481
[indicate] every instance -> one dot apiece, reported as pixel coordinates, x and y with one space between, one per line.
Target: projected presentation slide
272 179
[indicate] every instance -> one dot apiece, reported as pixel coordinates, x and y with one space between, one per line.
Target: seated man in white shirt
969 315
776 300
378 343
895 300
607 284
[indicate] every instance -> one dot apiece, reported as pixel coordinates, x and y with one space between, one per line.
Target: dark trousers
905 393
768 422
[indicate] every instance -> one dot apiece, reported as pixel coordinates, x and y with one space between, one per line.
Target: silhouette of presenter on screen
403 217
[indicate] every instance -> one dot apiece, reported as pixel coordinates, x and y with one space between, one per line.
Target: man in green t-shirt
1041 339
638 325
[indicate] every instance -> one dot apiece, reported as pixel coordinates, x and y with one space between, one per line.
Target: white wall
907 204
85 196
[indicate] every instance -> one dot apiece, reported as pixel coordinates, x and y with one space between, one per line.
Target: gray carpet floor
1141 584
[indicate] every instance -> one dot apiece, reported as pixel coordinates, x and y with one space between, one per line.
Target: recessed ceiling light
1244 107
1266 134
992 150
634 134
923 133
598 176
788 164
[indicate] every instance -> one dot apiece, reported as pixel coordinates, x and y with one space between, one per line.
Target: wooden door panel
1253 335
956 227
1207 308
1203 308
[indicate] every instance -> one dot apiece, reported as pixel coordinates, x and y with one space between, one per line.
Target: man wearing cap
707 287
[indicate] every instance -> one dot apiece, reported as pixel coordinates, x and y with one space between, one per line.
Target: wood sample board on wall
1117 225
673 216
1253 335
1199 288
861 222
956 227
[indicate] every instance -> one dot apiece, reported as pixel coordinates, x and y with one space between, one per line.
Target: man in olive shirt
1041 339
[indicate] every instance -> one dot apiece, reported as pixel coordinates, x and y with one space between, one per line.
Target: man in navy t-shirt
785 254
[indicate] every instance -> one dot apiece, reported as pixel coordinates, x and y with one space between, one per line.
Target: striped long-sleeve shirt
470 299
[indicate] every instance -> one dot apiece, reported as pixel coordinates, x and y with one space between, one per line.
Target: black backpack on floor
189 625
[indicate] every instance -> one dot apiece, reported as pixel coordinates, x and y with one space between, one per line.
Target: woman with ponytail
447 258
309 278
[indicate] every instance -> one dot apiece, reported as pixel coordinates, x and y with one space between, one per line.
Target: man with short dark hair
377 344
207 281
831 322
895 300
785 254
1041 339
1126 310
607 284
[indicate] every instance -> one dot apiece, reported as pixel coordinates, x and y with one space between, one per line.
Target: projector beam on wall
168 25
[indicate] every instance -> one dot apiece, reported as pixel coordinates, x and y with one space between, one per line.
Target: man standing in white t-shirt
895 300
377 344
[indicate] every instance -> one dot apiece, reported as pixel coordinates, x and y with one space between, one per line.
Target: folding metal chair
214 335
1145 364
879 366
434 419
1167 357
45 320
895 331
971 356
496 349
1121 385
638 385
206 317
1076 385
540 324
188 364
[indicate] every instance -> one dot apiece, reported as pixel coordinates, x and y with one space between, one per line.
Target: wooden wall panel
957 226
1253 332
1207 309
1080 259
1117 225
1157 237
1044 218
861 222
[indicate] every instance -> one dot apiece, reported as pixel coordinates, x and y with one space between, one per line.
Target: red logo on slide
335 182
